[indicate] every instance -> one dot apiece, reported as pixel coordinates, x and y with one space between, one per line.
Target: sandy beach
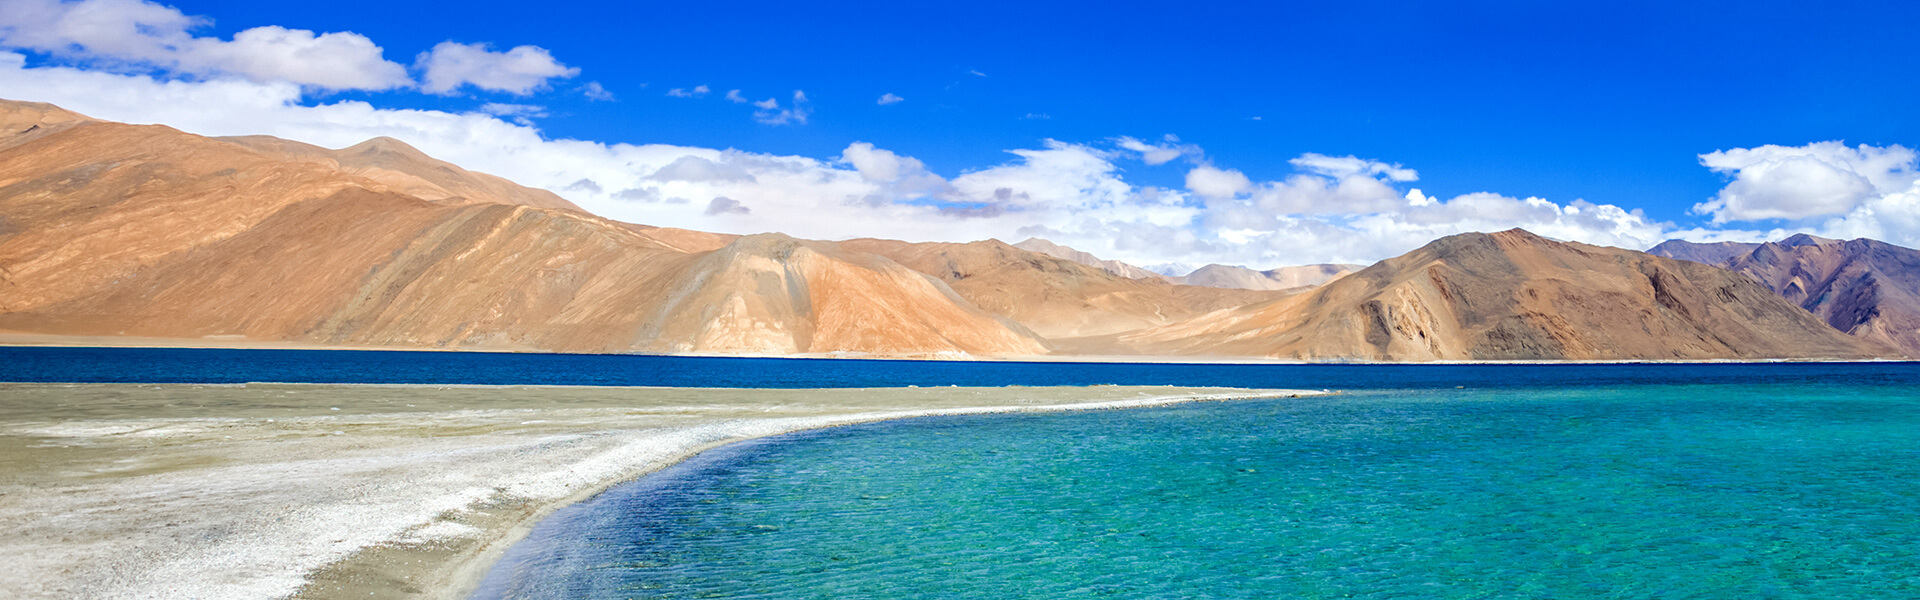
365 491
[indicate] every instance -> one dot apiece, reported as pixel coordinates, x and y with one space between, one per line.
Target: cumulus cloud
584 185
895 177
500 109
1342 167
1801 182
771 113
890 98
520 71
695 169
138 33
696 92
1212 182
638 195
1162 153
594 91
723 205
735 97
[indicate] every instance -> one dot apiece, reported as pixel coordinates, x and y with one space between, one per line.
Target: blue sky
1610 103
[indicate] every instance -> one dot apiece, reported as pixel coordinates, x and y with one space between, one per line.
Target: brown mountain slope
1710 253
406 170
114 229
1863 287
1515 296
780 295
1056 298
1111 266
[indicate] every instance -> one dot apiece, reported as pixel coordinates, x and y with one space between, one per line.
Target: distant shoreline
26 340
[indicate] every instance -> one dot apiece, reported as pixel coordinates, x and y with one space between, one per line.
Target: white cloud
895 177
594 91
770 112
519 113
1800 182
889 98
735 97
520 71
695 169
723 205
1211 182
696 92
1829 188
1159 154
137 33
1342 167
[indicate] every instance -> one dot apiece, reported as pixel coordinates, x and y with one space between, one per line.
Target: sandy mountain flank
406 170
1063 252
1516 295
115 229
1866 288
1056 298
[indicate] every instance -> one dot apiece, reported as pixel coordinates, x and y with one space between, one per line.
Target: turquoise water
1637 491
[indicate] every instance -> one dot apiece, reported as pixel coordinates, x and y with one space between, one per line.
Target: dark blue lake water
151 365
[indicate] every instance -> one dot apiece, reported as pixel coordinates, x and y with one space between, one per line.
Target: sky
1259 134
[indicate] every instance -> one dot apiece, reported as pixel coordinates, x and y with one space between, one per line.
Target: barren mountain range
1514 295
110 229
1867 288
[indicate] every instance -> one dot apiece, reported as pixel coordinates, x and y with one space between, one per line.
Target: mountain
1714 253
1283 278
404 169
109 229
1514 295
1863 287
1065 253
1215 276
115 229
1056 298
1172 269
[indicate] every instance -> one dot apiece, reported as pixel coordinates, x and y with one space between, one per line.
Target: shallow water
1779 490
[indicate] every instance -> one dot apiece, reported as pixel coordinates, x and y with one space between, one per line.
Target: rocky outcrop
1866 288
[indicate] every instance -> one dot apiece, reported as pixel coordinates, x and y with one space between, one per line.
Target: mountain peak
1034 244
1803 239
385 145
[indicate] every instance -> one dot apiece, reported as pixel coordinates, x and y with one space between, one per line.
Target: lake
1777 480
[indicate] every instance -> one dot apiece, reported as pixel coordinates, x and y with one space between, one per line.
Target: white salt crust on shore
219 507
